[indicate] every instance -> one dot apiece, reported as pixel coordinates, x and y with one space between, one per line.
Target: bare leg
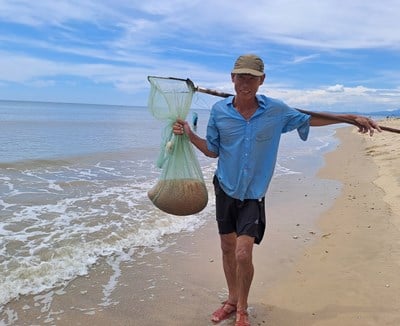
245 269
237 259
228 246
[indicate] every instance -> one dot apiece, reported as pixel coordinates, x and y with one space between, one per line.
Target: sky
330 55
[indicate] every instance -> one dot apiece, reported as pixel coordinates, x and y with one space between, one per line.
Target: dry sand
351 276
330 257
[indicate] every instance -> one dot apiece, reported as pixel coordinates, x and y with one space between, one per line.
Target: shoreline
311 268
183 283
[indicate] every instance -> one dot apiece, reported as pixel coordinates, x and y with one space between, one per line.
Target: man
243 132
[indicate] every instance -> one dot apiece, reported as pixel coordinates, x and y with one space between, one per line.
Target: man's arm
364 124
180 127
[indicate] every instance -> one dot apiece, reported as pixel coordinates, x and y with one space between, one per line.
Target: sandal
224 312
242 318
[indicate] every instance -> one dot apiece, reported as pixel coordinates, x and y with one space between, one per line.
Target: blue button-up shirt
247 149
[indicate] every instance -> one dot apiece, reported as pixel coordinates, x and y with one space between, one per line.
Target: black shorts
244 217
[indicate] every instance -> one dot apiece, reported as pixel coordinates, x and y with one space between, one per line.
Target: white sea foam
108 289
49 240
33 274
281 170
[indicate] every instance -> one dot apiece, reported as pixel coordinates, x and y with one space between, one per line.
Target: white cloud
357 98
48 12
155 37
335 89
302 59
324 24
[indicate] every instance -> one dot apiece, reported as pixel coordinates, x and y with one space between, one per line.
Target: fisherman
243 132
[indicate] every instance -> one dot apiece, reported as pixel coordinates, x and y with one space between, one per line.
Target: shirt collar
260 99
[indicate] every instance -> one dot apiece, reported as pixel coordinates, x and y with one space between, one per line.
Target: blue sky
326 55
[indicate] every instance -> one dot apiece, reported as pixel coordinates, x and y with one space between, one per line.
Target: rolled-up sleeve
212 137
299 121
304 129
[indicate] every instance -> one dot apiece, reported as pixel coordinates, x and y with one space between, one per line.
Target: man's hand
180 127
366 125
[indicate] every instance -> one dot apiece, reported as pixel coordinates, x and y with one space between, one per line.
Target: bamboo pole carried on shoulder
311 113
323 115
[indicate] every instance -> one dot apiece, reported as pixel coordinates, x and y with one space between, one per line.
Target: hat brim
248 71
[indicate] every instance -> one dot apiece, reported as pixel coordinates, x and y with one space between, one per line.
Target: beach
329 257
350 276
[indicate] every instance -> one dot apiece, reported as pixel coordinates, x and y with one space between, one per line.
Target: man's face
247 85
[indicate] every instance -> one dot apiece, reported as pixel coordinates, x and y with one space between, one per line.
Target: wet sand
330 256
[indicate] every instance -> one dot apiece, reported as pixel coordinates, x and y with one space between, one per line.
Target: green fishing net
181 189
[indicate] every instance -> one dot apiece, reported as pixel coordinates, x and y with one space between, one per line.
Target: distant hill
393 113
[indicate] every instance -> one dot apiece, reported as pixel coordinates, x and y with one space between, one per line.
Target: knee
228 245
243 255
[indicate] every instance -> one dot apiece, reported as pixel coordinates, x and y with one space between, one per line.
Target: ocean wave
57 220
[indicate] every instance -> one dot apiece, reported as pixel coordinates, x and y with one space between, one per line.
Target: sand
351 276
330 257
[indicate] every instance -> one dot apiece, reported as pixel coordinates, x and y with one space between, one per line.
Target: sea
73 189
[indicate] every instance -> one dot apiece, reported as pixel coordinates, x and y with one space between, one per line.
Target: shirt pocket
265 134
231 134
